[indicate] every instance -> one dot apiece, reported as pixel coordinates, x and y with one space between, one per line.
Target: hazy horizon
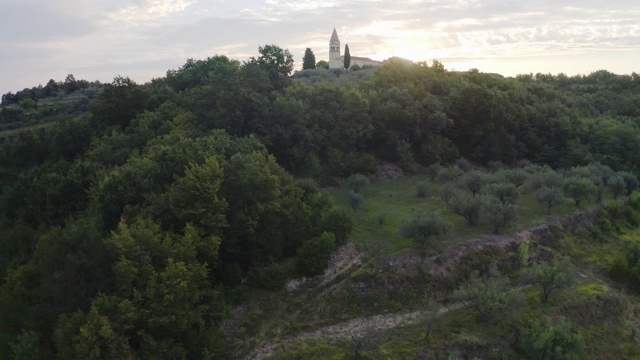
143 39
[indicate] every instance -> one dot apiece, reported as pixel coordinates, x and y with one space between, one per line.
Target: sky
142 39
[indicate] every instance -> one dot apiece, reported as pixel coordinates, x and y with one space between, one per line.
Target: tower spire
334 51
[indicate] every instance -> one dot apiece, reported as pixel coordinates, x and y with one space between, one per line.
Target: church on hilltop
336 61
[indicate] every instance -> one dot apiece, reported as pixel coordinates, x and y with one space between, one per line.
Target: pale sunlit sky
142 39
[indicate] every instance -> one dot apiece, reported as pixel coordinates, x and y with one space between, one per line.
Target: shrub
421 189
433 170
354 199
495 165
357 182
450 174
464 165
549 339
489 295
314 254
339 222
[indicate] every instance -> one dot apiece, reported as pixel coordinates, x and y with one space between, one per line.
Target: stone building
336 61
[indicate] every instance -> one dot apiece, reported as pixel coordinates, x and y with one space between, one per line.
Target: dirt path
345 330
447 259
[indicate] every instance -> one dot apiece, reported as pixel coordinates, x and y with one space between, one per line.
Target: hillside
381 299
195 216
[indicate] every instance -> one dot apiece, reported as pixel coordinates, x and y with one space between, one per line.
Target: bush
339 222
354 199
549 339
448 175
314 254
433 170
357 182
617 185
464 165
489 295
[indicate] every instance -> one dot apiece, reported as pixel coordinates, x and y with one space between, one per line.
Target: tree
195 198
498 213
474 181
550 196
507 193
545 178
120 102
322 64
70 84
515 176
466 205
347 57
422 226
617 185
599 175
277 63
578 188
551 276
630 180
309 60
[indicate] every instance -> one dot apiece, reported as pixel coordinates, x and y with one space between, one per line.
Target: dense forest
141 213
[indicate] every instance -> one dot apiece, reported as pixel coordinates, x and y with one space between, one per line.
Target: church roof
363 59
334 36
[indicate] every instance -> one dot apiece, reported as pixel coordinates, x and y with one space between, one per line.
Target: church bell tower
334 51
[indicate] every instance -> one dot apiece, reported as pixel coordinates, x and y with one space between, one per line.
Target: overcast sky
142 39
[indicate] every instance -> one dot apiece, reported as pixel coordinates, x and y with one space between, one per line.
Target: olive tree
423 226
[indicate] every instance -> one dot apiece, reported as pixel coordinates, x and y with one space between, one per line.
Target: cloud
142 11
138 38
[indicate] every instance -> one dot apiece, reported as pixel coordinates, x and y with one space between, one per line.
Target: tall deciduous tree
309 60
347 57
277 62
